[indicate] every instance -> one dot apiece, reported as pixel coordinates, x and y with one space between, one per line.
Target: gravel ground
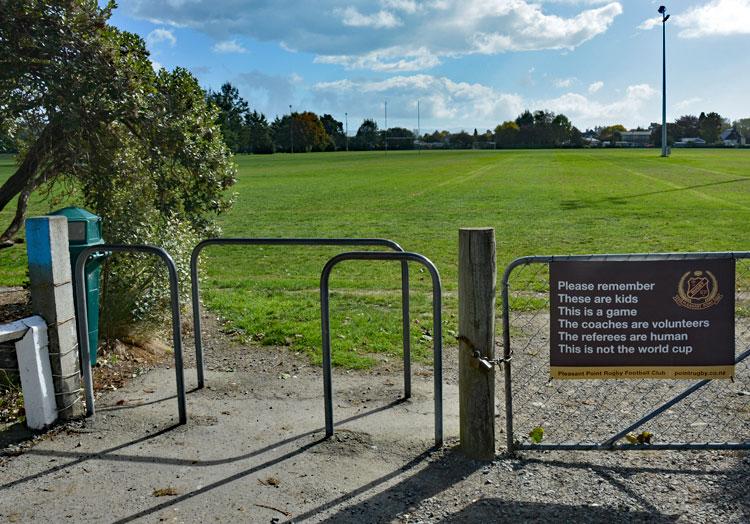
253 451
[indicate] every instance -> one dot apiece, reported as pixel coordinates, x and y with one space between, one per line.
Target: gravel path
253 451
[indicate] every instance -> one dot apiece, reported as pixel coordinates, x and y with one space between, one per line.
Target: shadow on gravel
734 486
15 434
731 483
385 506
492 509
111 455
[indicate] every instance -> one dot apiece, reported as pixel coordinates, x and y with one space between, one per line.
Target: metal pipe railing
83 328
437 330
362 242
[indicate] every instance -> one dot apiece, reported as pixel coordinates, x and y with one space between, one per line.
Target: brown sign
645 319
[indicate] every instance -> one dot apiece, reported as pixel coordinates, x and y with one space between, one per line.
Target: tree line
706 126
249 131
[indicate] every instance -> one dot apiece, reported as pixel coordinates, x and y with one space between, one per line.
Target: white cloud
688 102
468 105
441 100
714 18
382 19
564 82
584 112
160 35
407 6
156 65
596 86
650 23
229 46
270 94
360 33
394 59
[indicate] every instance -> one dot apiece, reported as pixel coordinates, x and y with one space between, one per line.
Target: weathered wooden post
476 328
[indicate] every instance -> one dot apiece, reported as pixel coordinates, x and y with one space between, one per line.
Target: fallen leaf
536 434
270 481
165 492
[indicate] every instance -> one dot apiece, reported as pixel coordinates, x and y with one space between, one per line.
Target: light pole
386 126
346 118
664 18
291 128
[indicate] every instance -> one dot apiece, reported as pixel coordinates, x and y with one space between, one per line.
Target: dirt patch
15 304
127 360
347 443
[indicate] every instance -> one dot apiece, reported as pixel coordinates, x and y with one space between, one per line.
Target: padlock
484 363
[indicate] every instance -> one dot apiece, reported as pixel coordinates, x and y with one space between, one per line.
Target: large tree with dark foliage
139 148
232 111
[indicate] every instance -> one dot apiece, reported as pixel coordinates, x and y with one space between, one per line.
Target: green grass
539 202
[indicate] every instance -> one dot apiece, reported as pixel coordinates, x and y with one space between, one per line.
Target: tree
258 133
560 130
304 128
743 126
687 126
506 134
367 137
400 138
66 76
461 140
335 131
232 111
656 134
612 133
711 125
141 148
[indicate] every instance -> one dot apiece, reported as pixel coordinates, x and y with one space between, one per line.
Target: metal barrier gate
362 242
598 414
83 328
437 335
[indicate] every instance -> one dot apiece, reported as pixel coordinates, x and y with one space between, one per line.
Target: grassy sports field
539 202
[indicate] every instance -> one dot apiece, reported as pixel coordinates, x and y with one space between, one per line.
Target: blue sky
469 63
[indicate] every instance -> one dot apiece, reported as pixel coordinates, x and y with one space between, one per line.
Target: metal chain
477 354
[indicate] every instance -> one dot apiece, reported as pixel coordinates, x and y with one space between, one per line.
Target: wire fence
586 414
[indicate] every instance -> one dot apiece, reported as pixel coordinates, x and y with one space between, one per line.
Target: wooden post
476 327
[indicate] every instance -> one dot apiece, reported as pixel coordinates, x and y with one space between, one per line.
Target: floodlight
662 9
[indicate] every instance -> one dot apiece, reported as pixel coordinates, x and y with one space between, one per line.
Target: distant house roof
731 134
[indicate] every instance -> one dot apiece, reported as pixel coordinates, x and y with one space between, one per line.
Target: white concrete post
52 299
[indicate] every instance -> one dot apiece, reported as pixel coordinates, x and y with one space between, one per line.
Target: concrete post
36 375
476 329
52 299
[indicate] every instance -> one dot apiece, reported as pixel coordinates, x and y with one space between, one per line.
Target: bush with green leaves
138 147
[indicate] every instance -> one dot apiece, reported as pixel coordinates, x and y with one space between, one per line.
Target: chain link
591 411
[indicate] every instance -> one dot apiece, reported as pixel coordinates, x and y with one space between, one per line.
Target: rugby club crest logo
698 290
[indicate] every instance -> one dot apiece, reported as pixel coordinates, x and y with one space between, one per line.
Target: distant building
690 142
590 138
634 139
732 137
